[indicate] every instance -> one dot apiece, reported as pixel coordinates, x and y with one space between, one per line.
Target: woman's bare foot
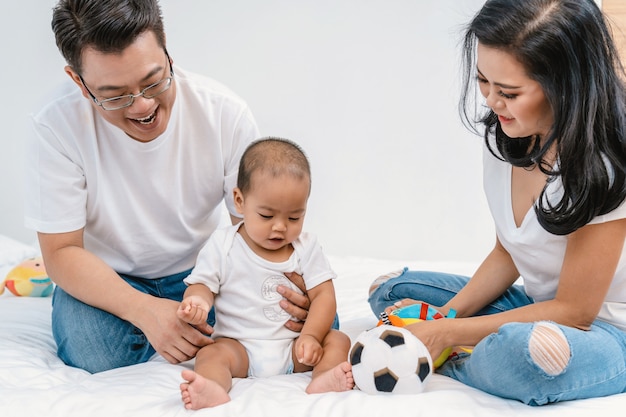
336 379
198 392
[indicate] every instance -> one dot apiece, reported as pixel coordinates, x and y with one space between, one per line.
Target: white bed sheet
34 382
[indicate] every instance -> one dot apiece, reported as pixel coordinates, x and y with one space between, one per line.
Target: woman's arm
492 278
591 259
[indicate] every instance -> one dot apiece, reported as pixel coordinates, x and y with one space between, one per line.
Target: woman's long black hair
566 46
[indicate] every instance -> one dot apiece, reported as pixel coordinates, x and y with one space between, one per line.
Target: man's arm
88 279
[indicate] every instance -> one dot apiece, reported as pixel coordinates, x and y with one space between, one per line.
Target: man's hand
295 304
170 336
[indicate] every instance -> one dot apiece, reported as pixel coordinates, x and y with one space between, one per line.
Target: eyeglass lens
149 92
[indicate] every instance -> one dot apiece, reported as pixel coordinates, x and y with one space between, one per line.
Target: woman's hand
432 333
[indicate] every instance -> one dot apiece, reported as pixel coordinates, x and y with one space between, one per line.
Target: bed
34 382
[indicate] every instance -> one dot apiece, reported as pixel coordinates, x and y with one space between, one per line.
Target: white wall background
369 88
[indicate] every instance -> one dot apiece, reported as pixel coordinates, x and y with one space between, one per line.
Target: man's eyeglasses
120 102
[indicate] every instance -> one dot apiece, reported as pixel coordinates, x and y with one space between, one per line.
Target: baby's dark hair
274 156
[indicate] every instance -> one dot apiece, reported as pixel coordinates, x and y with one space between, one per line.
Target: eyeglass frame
133 96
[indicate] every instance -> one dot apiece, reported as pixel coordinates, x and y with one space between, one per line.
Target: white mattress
34 382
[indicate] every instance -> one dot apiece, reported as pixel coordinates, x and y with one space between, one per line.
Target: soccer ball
389 359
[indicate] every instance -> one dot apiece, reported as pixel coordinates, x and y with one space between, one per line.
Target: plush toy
29 279
414 313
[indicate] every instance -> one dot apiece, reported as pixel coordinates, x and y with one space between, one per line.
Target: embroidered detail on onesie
268 292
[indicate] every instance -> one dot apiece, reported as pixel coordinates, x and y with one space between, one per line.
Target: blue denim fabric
94 340
501 364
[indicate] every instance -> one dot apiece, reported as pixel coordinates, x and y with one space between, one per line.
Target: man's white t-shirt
147 208
537 254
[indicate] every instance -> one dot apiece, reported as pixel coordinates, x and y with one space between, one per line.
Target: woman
554 177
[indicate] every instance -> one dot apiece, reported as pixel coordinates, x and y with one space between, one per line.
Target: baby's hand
193 310
308 350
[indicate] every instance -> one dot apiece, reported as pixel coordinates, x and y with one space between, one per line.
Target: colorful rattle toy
414 313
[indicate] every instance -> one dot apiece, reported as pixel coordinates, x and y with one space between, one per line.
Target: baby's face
273 211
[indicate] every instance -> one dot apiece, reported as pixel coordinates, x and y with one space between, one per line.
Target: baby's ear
238 198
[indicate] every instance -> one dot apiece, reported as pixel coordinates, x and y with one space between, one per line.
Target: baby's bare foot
336 379
198 392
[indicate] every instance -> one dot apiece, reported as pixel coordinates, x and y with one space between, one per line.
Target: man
132 169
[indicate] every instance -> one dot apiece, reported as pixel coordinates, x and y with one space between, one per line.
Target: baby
237 273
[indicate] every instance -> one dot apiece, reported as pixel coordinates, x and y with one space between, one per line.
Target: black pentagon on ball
385 380
392 338
423 368
355 353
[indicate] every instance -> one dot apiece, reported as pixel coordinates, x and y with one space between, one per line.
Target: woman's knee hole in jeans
549 349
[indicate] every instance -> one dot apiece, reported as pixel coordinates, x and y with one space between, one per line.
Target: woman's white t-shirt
537 254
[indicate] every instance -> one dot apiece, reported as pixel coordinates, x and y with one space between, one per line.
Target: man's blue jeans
94 340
